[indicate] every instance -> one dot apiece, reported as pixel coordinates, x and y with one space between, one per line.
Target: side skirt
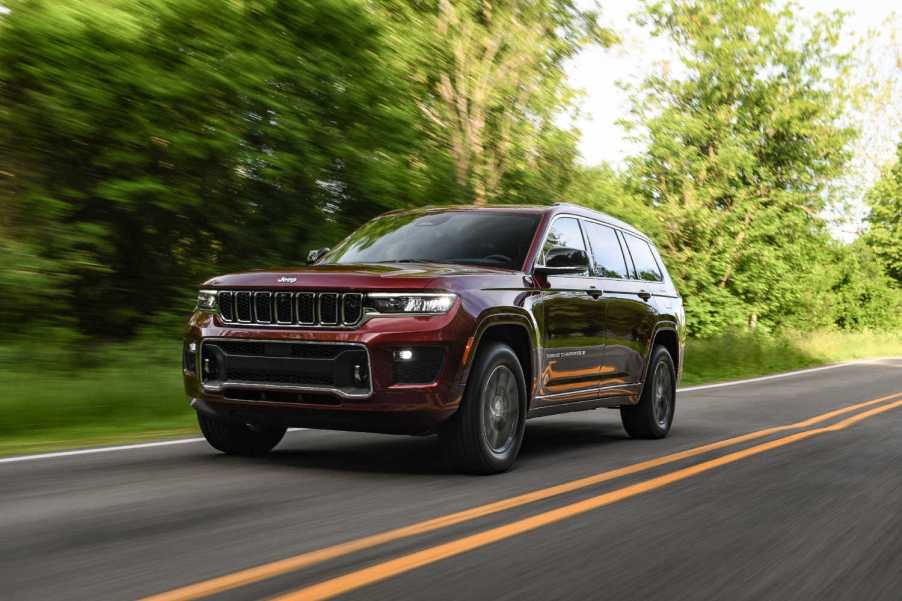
607 402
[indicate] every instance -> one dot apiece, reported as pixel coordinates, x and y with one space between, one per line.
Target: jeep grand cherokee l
458 321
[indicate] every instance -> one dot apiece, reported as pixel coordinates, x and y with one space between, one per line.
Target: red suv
458 321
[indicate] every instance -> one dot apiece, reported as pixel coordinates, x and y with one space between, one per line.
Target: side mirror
562 260
316 254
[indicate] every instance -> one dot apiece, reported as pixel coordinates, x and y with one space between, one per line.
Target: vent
243 307
328 308
263 307
279 308
306 302
351 307
341 368
227 305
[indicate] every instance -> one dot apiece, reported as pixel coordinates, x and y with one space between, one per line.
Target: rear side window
646 266
564 232
609 261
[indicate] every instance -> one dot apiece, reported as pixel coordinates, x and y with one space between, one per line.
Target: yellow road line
290 564
388 569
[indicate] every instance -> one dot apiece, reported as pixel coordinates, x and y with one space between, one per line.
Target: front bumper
378 404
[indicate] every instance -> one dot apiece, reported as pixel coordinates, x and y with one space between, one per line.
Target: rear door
632 319
572 324
612 270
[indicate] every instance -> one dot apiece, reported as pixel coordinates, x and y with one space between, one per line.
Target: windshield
492 238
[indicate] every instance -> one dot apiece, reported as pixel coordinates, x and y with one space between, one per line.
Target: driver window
565 232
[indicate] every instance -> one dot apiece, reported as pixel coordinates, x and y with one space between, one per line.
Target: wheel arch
666 335
514 328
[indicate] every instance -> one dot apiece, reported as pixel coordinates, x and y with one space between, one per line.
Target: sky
597 70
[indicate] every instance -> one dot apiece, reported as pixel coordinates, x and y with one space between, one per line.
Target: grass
750 355
125 393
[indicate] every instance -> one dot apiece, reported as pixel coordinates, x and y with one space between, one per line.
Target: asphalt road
810 511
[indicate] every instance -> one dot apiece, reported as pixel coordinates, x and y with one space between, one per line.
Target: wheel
234 438
485 434
652 417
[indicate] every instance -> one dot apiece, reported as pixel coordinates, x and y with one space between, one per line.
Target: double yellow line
348 582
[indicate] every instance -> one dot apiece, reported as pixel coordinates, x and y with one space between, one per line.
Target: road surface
784 488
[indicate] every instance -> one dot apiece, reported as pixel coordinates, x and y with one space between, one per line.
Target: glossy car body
583 340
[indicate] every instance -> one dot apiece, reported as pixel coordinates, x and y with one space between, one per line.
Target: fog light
404 354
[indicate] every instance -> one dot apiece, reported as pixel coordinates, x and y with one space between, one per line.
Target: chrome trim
275 308
231 294
597 389
341 324
341 301
254 298
250 301
289 387
297 301
319 306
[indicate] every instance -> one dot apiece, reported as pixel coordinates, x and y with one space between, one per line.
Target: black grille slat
283 307
299 309
243 307
328 308
263 307
306 302
227 305
351 307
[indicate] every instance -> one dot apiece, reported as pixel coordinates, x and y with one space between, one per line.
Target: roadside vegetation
146 146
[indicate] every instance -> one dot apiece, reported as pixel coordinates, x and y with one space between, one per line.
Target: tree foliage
148 144
884 234
744 141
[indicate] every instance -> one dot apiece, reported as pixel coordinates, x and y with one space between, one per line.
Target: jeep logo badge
285 280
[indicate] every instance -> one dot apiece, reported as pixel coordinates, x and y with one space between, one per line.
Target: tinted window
564 232
606 251
492 238
646 266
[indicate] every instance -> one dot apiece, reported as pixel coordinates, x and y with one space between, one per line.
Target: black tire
653 416
235 438
465 438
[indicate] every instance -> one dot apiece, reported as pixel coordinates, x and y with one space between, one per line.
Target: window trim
624 248
595 272
541 249
651 251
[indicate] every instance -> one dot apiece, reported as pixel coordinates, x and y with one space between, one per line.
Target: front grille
255 364
269 308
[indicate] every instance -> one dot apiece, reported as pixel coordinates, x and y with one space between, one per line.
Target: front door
572 325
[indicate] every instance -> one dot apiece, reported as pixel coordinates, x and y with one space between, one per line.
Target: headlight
390 303
206 300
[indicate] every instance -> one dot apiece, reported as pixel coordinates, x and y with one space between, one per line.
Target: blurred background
146 145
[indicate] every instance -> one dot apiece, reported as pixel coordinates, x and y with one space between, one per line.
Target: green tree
494 81
147 145
743 143
884 234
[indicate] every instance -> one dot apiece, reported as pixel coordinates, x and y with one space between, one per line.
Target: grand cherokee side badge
284 280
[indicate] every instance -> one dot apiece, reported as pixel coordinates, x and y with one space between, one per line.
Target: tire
485 434
234 438
653 416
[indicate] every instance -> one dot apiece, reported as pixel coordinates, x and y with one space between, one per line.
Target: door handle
644 295
594 292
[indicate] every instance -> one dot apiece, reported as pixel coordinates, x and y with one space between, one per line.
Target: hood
401 276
